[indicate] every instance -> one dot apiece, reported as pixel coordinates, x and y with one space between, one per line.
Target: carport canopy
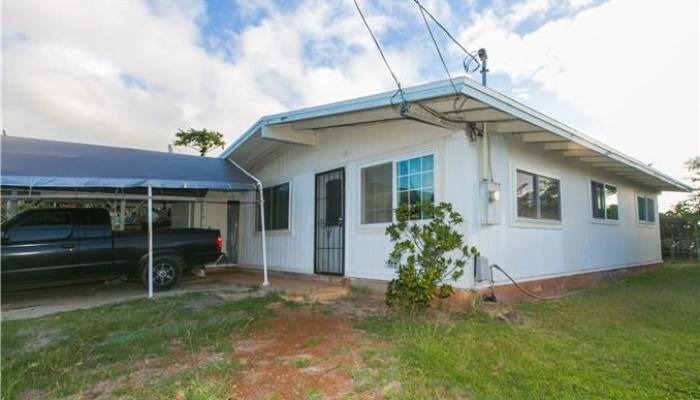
33 163
38 163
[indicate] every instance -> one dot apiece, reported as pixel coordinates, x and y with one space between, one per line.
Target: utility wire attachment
437 47
381 53
470 63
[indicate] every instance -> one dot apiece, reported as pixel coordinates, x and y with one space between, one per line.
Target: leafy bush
426 254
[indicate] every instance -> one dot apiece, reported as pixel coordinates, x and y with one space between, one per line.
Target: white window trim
290 204
604 221
645 195
524 222
394 198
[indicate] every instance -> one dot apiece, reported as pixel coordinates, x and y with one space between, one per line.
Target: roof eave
469 88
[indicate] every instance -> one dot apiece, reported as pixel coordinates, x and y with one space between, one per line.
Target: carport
93 171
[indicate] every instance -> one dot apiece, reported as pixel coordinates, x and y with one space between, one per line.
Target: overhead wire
437 47
469 55
459 101
470 126
381 53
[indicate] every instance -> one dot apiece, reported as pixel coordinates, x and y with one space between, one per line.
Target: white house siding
527 250
533 250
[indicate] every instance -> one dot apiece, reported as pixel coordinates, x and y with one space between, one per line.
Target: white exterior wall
579 243
526 250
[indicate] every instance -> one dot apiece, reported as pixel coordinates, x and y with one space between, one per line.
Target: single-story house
539 198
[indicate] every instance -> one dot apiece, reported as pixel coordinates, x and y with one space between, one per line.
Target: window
414 182
41 226
95 224
604 201
646 210
276 207
538 197
376 194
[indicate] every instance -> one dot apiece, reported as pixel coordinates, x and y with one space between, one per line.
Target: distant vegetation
201 140
680 226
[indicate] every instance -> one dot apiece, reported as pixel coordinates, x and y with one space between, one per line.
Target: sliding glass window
538 197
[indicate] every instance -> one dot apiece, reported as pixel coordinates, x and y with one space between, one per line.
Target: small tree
426 255
682 221
200 140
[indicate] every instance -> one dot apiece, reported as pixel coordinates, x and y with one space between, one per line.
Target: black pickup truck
45 246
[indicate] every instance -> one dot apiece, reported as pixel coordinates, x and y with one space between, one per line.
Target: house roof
28 162
477 103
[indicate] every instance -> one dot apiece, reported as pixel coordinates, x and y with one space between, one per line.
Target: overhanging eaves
475 103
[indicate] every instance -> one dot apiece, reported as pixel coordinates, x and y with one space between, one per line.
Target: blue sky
133 72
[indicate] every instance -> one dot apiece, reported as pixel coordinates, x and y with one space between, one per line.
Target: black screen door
329 240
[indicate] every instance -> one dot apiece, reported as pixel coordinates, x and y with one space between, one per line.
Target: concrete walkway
39 302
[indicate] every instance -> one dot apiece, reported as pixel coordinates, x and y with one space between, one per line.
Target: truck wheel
167 271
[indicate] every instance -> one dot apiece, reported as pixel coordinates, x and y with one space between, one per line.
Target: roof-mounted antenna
484 70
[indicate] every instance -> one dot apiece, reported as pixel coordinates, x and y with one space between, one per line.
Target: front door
329 240
232 231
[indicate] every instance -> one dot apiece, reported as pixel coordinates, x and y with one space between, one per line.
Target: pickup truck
41 247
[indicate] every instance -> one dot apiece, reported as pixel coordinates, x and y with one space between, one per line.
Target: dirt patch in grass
302 354
151 370
37 339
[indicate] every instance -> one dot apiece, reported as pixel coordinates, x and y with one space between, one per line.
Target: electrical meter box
482 269
490 203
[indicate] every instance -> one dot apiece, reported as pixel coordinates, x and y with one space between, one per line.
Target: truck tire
167 271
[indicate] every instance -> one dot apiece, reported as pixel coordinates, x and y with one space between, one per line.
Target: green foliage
426 255
682 221
201 140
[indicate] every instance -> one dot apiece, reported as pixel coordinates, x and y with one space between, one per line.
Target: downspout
266 282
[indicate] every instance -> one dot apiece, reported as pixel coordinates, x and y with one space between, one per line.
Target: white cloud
133 72
629 69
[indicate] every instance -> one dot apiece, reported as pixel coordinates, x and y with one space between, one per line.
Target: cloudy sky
131 72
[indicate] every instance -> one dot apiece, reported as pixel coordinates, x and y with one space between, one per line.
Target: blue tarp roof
30 162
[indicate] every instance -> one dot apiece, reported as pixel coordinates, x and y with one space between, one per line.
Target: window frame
258 229
647 197
605 219
392 166
394 160
519 221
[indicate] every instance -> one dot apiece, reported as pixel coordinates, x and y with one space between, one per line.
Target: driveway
39 302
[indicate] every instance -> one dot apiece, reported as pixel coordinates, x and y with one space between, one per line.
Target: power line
469 55
381 53
437 48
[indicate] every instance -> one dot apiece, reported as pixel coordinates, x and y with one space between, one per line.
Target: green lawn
634 339
73 352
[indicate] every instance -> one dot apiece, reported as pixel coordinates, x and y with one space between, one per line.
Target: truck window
42 226
95 224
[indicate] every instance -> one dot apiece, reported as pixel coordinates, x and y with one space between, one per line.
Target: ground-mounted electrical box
490 202
482 269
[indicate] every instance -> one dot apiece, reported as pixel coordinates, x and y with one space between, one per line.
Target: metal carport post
150 242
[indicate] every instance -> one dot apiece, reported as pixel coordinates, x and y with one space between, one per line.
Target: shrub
426 255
